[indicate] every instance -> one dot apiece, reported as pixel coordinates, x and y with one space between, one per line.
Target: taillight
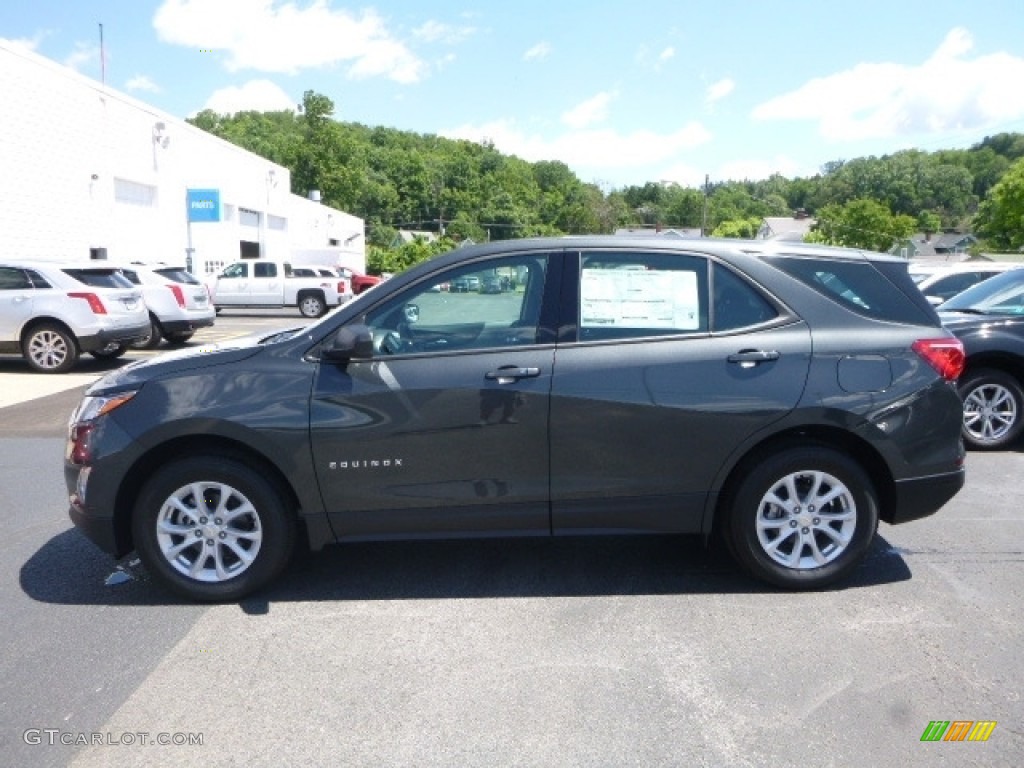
179 295
944 355
95 303
342 287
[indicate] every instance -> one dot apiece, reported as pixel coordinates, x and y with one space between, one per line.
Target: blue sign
203 204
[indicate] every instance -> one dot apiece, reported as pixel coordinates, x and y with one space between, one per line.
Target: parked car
989 319
178 303
780 395
52 313
269 283
947 283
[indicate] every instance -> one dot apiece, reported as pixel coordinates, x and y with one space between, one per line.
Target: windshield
999 295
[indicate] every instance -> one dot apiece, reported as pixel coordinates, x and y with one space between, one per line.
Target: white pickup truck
267 283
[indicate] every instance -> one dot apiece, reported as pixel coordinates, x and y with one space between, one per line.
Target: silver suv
51 313
179 304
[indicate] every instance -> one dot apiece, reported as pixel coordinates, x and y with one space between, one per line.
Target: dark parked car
785 397
989 320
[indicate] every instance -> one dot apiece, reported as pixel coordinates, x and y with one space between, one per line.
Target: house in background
947 246
411 235
787 228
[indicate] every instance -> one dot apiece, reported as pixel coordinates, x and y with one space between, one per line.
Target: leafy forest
403 180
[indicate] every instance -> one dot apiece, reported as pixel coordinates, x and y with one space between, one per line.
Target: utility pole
704 213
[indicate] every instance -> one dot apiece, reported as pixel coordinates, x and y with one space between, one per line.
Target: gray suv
783 397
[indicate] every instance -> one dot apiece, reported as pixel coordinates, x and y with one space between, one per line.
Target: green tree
861 223
1000 219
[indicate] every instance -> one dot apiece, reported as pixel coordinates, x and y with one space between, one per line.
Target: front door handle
748 358
508 374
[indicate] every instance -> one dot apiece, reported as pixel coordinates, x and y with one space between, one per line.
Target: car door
16 294
445 429
267 284
660 385
232 285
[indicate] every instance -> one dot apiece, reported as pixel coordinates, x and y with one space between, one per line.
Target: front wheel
211 528
311 305
993 409
152 341
112 351
802 518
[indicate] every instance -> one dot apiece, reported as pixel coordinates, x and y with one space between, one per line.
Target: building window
134 193
277 222
248 218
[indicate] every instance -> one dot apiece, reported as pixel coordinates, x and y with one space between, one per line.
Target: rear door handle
748 358
510 373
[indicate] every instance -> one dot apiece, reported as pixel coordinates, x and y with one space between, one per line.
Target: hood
205 356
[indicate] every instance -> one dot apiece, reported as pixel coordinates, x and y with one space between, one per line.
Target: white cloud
593 110
268 36
257 95
142 83
721 89
437 32
22 43
539 52
947 92
666 54
587 149
84 54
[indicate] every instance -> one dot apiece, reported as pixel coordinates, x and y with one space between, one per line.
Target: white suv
51 313
179 304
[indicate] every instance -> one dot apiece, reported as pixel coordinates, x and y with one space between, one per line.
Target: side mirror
412 313
350 342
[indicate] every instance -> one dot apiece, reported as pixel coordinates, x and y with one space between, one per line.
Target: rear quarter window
178 275
880 290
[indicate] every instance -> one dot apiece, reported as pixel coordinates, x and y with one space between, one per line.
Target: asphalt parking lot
577 652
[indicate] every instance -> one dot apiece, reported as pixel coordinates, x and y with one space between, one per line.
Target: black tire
152 341
177 339
778 542
312 305
48 348
109 352
265 531
993 409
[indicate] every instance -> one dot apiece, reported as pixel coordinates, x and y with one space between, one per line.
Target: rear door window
178 275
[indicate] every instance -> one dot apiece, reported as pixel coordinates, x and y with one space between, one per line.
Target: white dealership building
89 172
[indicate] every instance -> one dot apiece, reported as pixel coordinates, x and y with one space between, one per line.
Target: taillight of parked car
342 287
179 295
944 355
95 302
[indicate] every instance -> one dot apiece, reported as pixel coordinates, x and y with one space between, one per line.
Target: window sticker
639 298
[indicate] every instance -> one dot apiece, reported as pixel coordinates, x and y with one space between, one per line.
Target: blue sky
623 92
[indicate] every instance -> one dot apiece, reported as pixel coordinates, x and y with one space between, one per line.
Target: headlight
83 421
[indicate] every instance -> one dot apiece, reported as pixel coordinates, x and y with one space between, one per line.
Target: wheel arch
190 446
1000 361
850 445
35 322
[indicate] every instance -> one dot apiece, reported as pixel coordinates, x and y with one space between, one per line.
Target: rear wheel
312 305
802 518
211 528
49 348
993 409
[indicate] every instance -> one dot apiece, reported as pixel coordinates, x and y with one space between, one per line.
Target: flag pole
103 59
